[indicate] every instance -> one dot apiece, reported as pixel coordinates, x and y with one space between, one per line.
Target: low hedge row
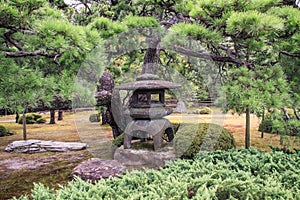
32 118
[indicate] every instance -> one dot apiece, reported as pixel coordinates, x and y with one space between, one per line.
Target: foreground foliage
234 174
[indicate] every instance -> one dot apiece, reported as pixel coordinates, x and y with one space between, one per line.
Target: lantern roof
148 82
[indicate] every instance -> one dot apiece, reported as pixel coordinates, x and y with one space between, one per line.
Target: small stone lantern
147 108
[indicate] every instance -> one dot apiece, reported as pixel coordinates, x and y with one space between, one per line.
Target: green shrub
41 120
190 139
204 111
118 141
233 174
3 131
35 116
290 128
94 118
32 118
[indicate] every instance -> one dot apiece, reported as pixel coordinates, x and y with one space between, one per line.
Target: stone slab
36 146
153 159
95 168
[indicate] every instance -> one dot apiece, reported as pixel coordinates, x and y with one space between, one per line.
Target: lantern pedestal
154 128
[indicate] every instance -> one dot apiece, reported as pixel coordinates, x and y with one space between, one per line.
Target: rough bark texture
17 117
151 58
24 127
286 114
247 136
263 118
60 115
296 113
52 117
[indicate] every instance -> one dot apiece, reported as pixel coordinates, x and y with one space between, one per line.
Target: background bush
202 111
32 118
4 131
94 118
277 126
233 174
190 139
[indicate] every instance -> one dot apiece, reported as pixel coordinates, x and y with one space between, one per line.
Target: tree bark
52 117
60 115
263 118
247 136
151 58
24 126
286 114
296 113
17 117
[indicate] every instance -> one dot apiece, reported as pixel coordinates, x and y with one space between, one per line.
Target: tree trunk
286 114
52 117
24 126
60 115
247 136
296 113
151 58
262 120
17 117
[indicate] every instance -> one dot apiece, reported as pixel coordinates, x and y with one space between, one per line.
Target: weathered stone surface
96 168
155 159
36 146
180 107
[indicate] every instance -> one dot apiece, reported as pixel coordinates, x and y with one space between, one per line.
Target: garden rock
180 107
95 168
36 146
144 158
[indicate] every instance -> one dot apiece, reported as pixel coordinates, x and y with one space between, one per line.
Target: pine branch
8 36
34 53
213 57
297 54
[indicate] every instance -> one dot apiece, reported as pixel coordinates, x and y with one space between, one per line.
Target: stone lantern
147 109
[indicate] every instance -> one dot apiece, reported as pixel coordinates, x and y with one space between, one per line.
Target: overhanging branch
34 53
8 36
205 55
290 54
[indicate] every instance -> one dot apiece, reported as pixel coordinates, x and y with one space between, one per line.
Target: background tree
22 88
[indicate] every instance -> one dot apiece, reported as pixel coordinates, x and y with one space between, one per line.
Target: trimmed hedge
190 139
4 131
33 118
233 174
